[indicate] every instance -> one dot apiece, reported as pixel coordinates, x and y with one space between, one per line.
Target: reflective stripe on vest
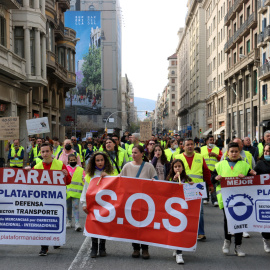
75 188
18 162
210 161
57 165
196 171
223 168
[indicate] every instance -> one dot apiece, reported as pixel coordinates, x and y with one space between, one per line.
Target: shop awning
218 131
264 123
207 132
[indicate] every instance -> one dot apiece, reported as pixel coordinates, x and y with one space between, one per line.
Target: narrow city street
76 253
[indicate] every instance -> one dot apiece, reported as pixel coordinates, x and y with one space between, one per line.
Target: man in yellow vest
35 152
49 163
266 138
135 140
198 171
212 155
16 155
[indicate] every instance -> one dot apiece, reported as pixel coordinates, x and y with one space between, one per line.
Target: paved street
75 254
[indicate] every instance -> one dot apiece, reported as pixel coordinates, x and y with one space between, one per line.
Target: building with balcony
183 81
264 66
216 67
195 27
242 53
36 61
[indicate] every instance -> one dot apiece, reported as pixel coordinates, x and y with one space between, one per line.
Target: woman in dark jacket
263 167
160 162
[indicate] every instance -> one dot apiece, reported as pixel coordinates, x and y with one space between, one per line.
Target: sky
149 37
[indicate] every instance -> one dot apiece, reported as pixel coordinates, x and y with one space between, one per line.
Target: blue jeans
201 221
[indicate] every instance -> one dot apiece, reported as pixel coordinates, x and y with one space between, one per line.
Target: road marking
83 257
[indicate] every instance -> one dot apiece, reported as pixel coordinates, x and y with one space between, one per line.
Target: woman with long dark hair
160 162
99 165
116 156
139 168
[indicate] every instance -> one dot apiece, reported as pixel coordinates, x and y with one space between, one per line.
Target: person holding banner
139 168
50 163
263 167
99 165
160 162
231 166
196 168
117 156
178 173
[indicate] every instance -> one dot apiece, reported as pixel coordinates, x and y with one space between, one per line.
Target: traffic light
146 113
200 130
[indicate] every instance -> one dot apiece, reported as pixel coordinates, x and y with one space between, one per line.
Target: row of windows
220 107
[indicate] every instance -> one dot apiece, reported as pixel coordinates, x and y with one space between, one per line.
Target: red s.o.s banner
142 211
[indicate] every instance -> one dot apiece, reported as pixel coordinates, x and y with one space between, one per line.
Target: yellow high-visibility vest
75 188
196 171
210 161
18 162
223 169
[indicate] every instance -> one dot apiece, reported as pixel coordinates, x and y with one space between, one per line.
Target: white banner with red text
32 207
247 203
142 211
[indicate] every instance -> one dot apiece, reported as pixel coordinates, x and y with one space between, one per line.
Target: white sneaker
226 246
216 204
239 252
179 259
78 227
205 202
246 235
174 253
266 245
68 225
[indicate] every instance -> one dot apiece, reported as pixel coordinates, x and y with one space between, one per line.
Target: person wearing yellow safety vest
173 150
56 146
74 191
198 171
116 138
128 141
244 154
98 166
251 149
266 137
211 154
50 163
66 151
16 155
116 156
232 166
35 152
134 142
